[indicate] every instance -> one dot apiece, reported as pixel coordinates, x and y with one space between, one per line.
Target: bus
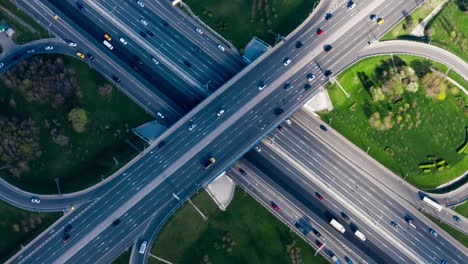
435 205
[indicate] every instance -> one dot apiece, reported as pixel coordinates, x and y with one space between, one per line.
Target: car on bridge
380 21
320 32
80 55
319 196
123 41
35 200
143 21
199 31
221 47
286 61
433 232
140 3
275 207
107 37
456 218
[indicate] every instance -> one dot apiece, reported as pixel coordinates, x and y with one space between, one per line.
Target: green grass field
450 30
22 34
238 21
245 233
440 131
458 235
89 156
18 227
402 29
124 258
462 209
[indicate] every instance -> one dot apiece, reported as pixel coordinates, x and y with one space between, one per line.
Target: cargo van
143 247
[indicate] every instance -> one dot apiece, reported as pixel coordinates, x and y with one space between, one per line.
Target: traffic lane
42 14
122 54
144 58
207 42
372 202
288 213
171 35
329 201
422 234
271 171
175 49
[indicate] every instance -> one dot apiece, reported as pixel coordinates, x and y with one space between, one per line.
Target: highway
300 162
154 176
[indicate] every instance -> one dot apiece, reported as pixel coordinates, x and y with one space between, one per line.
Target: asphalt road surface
158 173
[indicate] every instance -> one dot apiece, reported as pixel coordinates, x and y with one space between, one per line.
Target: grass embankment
87 157
245 233
22 35
462 209
18 228
449 30
403 29
124 258
238 21
458 235
404 130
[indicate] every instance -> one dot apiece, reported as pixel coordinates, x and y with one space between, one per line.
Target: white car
221 47
258 149
288 121
71 44
1 65
144 22
351 5
310 77
30 51
49 47
192 126
261 85
220 113
199 31
140 3
160 115
286 61
35 200
154 60
123 41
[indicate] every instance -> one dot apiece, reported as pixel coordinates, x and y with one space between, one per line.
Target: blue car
348 260
456 218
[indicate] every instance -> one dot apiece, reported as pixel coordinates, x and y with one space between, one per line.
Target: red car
319 244
66 238
320 32
319 196
275 207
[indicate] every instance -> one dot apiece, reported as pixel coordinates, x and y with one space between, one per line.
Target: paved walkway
221 191
419 30
6 43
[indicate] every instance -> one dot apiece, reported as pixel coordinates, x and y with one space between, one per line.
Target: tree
421 67
79 119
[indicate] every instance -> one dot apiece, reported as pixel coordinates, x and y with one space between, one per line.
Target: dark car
188 64
316 232
278 111
324 128
143 34
345 216
298 45
242 172
161 144
307 86
328 16
327 73
275 206
150 33
164 23
116 222
287 86
67 228
140 62
115 79
91 57
318 243
319 196
66 237
298 226
348 260
456 218
327 48
394 224
79 6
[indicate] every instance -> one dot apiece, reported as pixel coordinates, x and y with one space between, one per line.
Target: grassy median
412 125
245 233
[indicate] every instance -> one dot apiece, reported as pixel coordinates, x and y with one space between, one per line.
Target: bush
79 119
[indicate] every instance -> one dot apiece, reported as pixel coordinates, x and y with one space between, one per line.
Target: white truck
337 226
360 235
108 45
